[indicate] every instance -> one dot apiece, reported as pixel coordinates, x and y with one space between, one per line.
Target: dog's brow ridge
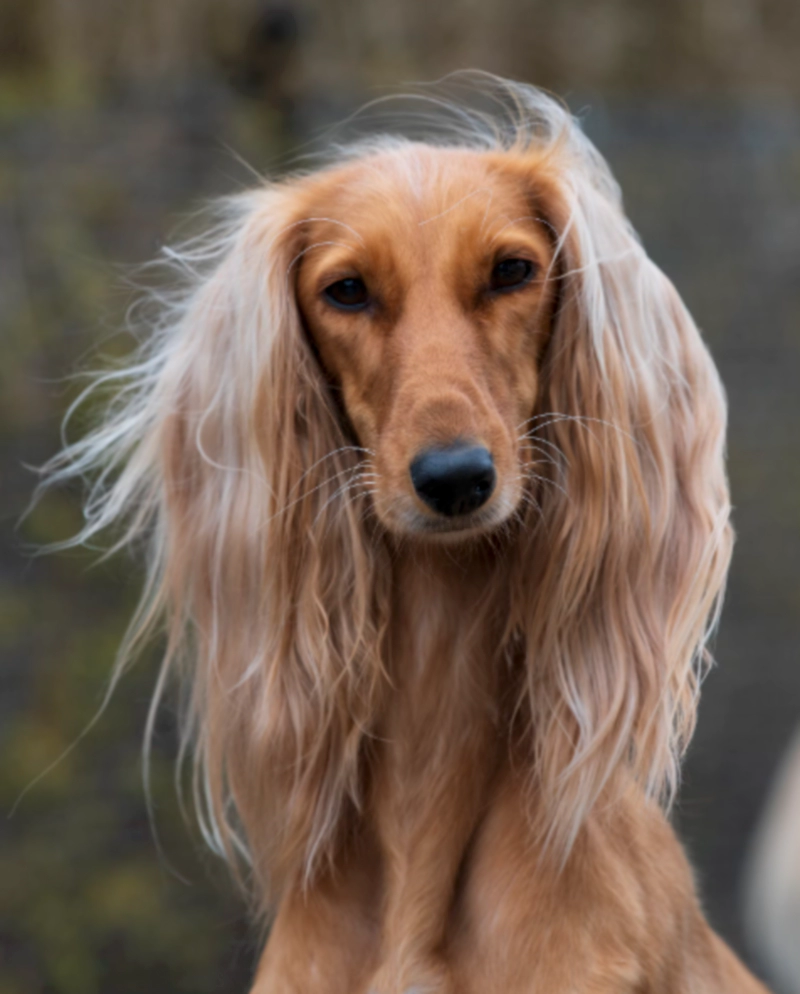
452 207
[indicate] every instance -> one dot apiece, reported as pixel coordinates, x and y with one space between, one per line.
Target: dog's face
424 281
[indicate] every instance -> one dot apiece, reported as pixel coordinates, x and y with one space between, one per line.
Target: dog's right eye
349 294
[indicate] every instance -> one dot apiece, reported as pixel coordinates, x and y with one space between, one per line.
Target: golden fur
436 748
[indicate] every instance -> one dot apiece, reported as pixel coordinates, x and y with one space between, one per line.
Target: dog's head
425 279
439 342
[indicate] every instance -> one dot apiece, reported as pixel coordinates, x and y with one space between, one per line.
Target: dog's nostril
454 480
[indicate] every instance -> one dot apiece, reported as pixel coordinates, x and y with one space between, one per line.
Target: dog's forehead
418 186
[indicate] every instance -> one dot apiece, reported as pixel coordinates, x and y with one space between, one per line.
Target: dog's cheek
525 393
515 388
359 412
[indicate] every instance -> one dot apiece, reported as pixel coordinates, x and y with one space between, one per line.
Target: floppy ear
268 555
237 469
625 564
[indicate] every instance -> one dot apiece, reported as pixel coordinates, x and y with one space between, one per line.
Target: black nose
455 480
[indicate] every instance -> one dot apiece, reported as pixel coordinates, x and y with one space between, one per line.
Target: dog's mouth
404 516
469 526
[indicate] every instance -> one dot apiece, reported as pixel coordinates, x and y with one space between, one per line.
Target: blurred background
116 120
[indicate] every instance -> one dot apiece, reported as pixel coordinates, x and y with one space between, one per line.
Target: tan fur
438 745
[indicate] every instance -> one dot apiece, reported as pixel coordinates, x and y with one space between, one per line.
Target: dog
427 455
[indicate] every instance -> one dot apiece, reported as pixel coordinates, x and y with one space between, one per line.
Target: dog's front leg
325 938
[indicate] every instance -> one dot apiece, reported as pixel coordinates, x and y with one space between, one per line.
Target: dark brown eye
509 274
348 295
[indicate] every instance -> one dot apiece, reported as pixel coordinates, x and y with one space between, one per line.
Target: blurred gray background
116 120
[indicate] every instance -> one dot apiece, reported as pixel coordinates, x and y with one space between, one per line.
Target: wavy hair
226 453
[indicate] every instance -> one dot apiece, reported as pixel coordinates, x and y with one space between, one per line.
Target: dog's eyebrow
308 248
486 212
514 220
452 207
331 220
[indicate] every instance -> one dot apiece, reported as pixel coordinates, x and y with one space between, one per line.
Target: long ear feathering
270 559
225 454
624 564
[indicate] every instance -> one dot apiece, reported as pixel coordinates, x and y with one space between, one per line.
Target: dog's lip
448 525
478 523
404 514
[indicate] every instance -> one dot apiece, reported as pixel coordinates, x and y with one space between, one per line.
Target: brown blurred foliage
739 47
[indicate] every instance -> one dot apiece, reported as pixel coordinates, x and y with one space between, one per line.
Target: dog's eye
349 294
511 273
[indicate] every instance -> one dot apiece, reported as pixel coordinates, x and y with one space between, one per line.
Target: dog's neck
443 731
450 575
449 606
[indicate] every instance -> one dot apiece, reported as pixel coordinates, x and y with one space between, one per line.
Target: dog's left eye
511 273
349 294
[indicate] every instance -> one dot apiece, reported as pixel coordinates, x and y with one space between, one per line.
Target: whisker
540 455
287 507
585 421
339 492
543 479
530 436
330 455
348 487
